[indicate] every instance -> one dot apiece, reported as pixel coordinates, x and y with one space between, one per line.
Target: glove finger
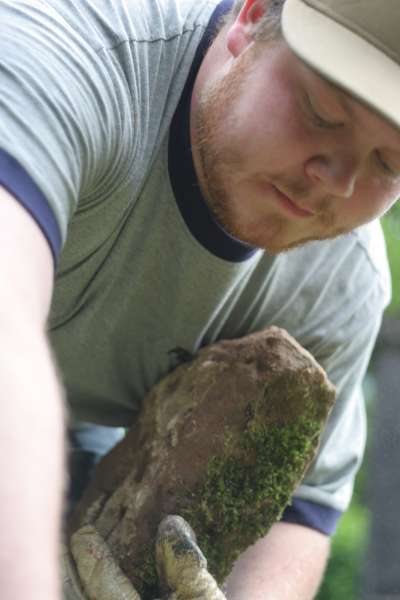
182 567
101 577
71 587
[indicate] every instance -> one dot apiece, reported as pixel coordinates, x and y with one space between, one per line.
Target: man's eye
386 168
320 122
317 119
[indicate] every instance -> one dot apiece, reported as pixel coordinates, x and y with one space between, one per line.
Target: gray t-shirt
94 143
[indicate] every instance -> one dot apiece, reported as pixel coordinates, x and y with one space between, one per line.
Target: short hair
269 26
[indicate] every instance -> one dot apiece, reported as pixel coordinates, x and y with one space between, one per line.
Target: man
145 160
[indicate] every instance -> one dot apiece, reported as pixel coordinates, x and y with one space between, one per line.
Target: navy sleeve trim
311 514
16 180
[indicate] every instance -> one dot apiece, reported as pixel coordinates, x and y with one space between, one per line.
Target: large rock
223 441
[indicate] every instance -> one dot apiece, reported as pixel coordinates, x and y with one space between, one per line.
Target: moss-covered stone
222 441
247 488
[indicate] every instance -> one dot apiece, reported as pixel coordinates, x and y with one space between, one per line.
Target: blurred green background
343 576
391 228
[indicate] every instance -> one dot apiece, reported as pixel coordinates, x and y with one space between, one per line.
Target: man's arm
31 423
288 564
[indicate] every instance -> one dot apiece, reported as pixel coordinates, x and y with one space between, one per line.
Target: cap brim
343 57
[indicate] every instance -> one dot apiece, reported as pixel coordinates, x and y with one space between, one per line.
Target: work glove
93 574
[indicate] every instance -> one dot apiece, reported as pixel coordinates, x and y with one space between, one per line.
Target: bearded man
175 172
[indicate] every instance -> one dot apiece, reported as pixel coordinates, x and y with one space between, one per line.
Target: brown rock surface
223 441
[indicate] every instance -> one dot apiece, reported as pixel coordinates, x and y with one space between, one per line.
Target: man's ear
240 33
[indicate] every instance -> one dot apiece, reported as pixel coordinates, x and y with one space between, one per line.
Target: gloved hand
181 566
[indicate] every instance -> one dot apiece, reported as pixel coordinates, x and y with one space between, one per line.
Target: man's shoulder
185 14
345 271
360 254
371 256
370 240
106 25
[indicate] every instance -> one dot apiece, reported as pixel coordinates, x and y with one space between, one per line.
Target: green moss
247 487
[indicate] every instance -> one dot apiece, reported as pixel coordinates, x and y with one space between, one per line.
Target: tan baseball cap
352 43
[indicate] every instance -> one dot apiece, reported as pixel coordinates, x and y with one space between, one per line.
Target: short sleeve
352 289
330 479
59 116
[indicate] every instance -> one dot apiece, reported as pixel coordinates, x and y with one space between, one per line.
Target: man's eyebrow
341 96
345 104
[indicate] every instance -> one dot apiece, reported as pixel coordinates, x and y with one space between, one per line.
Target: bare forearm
31 466
288 564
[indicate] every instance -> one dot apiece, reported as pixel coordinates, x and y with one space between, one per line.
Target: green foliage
391 228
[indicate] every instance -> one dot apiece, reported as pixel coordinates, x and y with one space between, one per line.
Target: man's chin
275 249
306 242
273 235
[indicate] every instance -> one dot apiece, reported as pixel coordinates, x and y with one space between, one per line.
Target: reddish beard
217 164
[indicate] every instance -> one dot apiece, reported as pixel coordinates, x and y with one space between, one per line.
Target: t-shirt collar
185 185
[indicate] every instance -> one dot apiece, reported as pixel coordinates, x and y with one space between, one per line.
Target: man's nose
336 175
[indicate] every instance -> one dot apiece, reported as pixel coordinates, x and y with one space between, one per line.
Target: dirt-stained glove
92 573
